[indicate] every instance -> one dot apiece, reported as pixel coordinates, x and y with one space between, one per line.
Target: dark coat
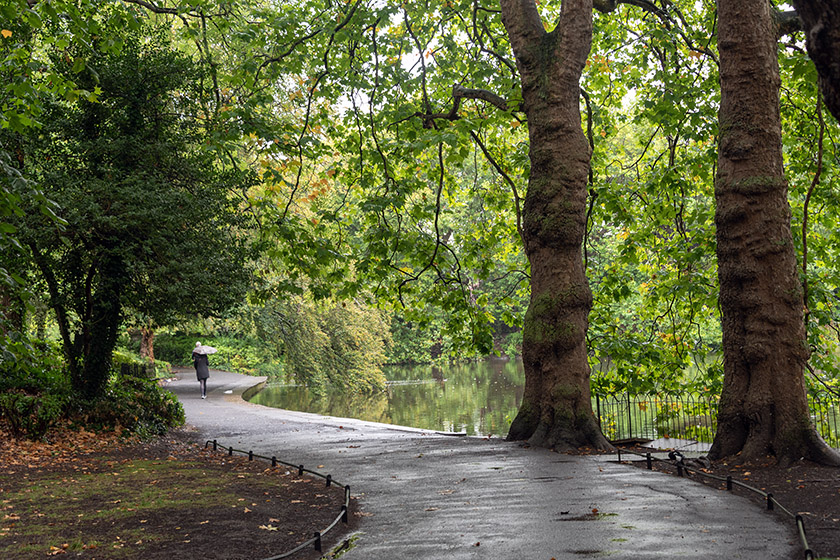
202 366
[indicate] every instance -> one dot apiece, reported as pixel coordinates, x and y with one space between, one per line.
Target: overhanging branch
459 92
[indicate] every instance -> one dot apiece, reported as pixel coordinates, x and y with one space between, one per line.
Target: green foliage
33 387
161 368
339 344
150 222
248 355
134 404
31 416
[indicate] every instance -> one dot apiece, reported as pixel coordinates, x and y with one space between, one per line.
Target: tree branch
813 186
152 7
507 179
786 23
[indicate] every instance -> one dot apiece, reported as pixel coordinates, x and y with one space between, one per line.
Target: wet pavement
422 495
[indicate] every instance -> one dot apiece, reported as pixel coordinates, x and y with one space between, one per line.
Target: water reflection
477 398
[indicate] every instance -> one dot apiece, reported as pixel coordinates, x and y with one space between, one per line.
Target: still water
479 398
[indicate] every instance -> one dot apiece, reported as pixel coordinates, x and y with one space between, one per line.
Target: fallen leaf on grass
269 528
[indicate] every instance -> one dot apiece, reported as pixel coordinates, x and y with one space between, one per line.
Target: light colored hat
197 344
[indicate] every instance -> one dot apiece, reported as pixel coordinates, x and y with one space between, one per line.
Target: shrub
31 416
33 388
161 368
135 404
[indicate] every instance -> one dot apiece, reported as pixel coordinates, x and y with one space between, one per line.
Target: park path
430 496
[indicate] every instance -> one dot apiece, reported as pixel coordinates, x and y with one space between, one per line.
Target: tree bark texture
763 408
147 343
821 23
556 409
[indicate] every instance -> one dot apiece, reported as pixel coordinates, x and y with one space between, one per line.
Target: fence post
629 416
598 409
649 462
317 541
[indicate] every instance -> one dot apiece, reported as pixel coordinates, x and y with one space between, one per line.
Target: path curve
428 496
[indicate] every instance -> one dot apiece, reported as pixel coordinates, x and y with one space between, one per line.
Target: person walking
202 366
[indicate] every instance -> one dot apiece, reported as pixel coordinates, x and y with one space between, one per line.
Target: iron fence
689 416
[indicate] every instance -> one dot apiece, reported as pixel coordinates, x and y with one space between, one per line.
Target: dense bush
31 416
33 388
135 404
35 396
161 368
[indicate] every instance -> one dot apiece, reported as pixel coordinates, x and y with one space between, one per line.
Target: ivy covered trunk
763 409
556 409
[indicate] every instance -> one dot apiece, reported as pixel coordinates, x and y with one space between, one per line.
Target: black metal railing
690 416
626 417
316 538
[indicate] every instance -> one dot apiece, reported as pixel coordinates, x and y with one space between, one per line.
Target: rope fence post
343 515
768 496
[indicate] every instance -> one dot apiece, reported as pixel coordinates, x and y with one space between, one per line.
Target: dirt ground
804 488
93 497
173 499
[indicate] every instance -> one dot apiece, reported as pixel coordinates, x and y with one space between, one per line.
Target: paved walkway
429 496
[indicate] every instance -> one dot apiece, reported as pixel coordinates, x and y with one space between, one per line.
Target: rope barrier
316 538
676 459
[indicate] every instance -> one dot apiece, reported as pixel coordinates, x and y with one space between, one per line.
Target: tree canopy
150 220
481 158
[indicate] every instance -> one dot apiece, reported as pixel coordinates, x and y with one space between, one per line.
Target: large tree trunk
147 343
763 408
556 410
821 23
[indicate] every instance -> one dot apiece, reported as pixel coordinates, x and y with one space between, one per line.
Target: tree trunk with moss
763 409
556 410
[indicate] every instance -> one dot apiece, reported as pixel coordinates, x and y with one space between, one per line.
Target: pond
479 398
